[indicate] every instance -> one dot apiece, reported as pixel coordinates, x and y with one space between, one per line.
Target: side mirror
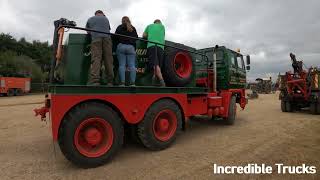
248 68
248 59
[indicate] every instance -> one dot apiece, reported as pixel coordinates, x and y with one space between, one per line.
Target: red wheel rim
93 137
165 125
182 65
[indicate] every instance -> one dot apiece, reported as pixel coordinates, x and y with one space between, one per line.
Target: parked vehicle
89 122
14 86
300 89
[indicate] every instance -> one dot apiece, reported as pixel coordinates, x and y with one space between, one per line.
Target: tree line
20 58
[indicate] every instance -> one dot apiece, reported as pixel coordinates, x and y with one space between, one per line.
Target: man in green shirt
156 33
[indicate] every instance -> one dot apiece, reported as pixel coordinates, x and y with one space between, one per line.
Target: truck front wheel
289 106
232 111
283 106
160 125
90 135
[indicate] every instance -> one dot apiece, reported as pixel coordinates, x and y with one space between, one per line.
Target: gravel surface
261 134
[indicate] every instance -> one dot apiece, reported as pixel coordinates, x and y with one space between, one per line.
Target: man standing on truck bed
101 48
156 33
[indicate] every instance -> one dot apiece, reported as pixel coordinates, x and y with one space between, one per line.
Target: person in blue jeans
126 51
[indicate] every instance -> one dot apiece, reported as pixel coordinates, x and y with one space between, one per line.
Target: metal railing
119 35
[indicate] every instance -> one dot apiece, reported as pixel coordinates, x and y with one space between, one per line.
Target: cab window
240 62
233 60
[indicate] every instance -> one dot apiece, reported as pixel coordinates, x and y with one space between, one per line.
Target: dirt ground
261 134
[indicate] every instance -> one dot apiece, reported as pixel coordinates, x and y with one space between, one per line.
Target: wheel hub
93 136
163 125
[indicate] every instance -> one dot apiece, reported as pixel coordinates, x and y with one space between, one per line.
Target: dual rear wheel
92 133
315 107
287 106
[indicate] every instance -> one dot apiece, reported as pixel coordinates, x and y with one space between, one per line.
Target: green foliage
19 66
24 59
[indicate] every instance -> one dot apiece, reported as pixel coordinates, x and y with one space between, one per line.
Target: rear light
2 83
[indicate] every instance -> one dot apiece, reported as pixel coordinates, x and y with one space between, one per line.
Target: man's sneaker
121 85
132 85
162 83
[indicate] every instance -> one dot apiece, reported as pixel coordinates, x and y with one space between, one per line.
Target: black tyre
289 106
177 68
10 92
232 112
313 108
133 133
318 108
283 106
160 125
18 92
90 135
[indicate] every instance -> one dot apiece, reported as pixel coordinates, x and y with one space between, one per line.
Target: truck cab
230 67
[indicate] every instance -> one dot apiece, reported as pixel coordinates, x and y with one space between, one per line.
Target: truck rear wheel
314 107
283 106
289 106
232 111
90 135
10 92
160 125
178 68
18 92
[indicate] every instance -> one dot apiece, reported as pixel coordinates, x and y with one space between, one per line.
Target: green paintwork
76 62
74 69
229 75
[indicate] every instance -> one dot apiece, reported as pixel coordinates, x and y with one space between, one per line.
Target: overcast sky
268 30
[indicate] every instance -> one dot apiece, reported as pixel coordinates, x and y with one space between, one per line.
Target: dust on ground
261 134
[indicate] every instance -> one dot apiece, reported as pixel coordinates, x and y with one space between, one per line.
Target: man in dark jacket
101 48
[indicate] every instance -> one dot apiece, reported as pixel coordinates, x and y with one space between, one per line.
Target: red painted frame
299 83
132 107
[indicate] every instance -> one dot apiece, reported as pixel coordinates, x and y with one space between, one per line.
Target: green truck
90 122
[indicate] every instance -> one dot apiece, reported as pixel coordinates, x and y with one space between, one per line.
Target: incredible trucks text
89 122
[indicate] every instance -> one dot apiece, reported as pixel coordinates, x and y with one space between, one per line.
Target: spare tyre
177 67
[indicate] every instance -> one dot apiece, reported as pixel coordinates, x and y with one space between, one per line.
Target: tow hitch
43 110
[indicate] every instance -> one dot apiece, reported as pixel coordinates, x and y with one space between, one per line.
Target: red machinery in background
300 89
14 86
